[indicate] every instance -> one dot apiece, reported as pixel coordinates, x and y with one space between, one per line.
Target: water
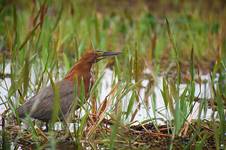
144 112
4 85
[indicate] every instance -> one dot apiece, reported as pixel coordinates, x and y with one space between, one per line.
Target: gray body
40 106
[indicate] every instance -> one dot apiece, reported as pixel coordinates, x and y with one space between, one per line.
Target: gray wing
40 105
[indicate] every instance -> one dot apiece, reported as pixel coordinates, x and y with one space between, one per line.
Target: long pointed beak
105 54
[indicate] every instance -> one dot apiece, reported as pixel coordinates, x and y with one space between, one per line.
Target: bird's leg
33 122
68 119
66 127
46 126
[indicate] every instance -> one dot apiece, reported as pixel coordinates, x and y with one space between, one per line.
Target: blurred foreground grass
178 40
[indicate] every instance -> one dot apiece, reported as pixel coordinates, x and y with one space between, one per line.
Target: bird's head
95 56
84 65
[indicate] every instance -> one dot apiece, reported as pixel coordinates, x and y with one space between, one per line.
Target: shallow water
144 112
4 84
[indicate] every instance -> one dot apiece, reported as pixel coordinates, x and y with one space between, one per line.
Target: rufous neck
79 69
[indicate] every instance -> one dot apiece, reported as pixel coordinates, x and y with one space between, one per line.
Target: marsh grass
41 40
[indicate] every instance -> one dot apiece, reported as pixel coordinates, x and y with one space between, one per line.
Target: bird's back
40 106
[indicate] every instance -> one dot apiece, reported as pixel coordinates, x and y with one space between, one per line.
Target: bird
40 106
